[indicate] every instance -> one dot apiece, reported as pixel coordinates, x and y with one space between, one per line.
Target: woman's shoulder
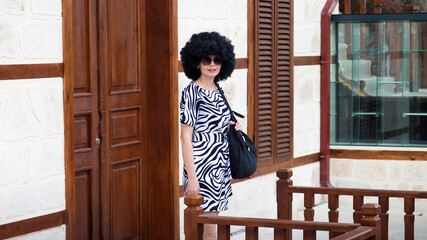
190 90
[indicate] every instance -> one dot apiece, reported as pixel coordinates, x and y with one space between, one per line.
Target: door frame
162 115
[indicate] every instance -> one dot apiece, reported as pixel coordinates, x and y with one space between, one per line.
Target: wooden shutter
273 85
283 80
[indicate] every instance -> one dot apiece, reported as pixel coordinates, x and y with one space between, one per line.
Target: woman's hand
193 186
237 126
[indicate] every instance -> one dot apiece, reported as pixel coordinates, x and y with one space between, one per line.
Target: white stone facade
30 31
32 182
32 179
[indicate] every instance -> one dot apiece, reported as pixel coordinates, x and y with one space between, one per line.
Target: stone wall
32 179
306 94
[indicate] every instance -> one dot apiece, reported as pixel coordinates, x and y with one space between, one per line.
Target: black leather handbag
243 161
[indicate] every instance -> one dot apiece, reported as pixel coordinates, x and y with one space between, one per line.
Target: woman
207 58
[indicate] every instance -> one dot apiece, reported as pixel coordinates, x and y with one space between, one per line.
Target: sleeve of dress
188 108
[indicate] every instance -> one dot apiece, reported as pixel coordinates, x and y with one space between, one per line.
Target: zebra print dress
207 113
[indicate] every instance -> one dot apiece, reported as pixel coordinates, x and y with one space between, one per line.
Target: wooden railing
285 191
194 220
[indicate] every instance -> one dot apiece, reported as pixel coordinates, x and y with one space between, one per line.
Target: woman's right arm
188 156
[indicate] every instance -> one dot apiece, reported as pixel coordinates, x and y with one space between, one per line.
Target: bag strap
232 113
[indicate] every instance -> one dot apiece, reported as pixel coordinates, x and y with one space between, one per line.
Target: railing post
284 201
384 203
409 218
192 230
370 218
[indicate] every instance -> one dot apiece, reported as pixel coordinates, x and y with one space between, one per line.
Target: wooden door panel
122 103
86 119
83 183
125 199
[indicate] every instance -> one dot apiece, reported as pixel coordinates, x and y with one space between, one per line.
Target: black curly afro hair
204 44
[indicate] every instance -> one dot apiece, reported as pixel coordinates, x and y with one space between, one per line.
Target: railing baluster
333 204
384 202
377 7
251 233
409 218
284 200
309 214
357 204
362 6
370 218
223 232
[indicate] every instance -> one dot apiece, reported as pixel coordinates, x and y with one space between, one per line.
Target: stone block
302 37
53 195
303 86
55 233
21 201
52 101
8 39
315 39
371 170
239 10
306 143
342 168
47 7
219 9
41 39
14 7
28 153
189 9
20 121
416 171
10 166
349 183
51 158
299 11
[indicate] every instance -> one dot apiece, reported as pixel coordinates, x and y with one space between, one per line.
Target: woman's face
210 66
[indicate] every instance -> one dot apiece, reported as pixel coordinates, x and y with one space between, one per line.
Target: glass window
379 83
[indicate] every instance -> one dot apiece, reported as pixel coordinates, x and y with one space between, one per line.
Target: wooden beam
162 109
30 225
306 60
28 71
379 155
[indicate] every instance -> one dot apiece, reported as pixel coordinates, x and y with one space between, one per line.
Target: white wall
32 179
306 95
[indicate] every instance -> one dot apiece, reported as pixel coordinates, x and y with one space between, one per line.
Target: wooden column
191 229
284 201
370 218
162 119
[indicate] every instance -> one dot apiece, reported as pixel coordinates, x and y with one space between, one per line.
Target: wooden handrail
285 190
194 219
360 191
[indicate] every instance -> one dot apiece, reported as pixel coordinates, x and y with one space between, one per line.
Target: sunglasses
207 61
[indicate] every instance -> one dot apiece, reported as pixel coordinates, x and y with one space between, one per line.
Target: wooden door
86 119
109 104
122 104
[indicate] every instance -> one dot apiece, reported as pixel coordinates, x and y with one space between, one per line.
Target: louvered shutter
264 74
283 80
273 103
